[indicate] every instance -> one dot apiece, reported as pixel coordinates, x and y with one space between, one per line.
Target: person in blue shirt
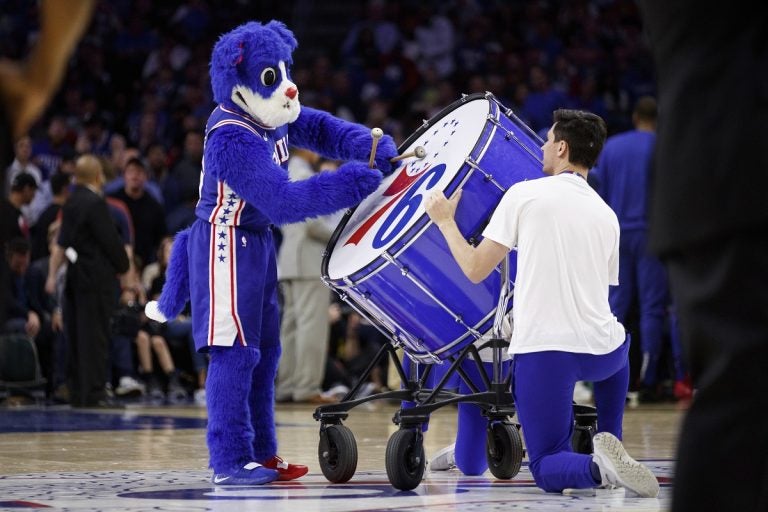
622 180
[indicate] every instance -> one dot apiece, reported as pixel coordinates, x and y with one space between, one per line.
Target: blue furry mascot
225 262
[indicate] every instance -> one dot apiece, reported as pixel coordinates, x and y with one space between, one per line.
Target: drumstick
419 152
376 133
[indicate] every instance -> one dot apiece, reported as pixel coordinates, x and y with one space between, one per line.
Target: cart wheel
405 459
337 453
581 440
504 450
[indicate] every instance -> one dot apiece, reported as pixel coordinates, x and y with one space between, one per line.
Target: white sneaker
444 460
581 393
128 386
338 392
365 390
200 397
618 468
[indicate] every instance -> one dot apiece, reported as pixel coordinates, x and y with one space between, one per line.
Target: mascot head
250 71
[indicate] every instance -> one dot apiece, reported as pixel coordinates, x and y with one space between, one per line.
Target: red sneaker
286 471
683 389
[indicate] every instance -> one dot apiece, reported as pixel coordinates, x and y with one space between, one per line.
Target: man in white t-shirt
567 242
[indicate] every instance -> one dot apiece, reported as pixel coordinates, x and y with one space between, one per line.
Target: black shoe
176 393
650 396
58 400
104 403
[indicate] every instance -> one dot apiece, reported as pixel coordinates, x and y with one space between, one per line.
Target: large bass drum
390 262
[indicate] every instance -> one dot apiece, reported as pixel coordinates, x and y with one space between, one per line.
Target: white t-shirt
567 242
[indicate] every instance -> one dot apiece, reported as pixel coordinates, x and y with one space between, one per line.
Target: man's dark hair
584 133
59 181
22 181
646 109
138 162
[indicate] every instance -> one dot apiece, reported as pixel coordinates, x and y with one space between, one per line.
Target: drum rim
414 136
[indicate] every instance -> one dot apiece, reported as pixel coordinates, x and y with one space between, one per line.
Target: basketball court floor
155 458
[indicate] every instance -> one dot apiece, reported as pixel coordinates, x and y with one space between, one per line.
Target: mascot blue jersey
219 204
229 304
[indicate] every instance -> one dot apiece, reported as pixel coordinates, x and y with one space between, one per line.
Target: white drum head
381 219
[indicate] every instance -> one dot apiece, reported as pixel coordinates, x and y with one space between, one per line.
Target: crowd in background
137 96
141 71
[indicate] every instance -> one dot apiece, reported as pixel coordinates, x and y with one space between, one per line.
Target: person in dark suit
90 242
709 223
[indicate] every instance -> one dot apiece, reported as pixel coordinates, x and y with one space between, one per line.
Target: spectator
181 189
304 325
59 184
57 375
32 306
23 162
157 163
435 38
117 147
353 345
95 137
22 193
21 317
363 341
178 331
146 212
116 176
150 340
124 327
541 100
50 150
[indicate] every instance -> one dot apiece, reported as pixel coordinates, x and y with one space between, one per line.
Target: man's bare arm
475 262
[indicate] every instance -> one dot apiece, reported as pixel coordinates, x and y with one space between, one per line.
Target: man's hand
57 321
33 324
440 209
476 262
50 285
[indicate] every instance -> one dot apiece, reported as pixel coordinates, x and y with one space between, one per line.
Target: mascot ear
279 28
229 51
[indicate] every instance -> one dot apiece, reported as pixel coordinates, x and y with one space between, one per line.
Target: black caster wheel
337 453
581 440
405 459
504 450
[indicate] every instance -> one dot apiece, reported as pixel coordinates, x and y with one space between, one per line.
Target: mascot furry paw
225 262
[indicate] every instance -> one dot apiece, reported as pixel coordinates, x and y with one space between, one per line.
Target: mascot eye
269 76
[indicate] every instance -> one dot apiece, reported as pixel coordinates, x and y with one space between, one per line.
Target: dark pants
721 292
643 279
86 319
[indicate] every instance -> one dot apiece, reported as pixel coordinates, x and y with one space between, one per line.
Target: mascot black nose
291 92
